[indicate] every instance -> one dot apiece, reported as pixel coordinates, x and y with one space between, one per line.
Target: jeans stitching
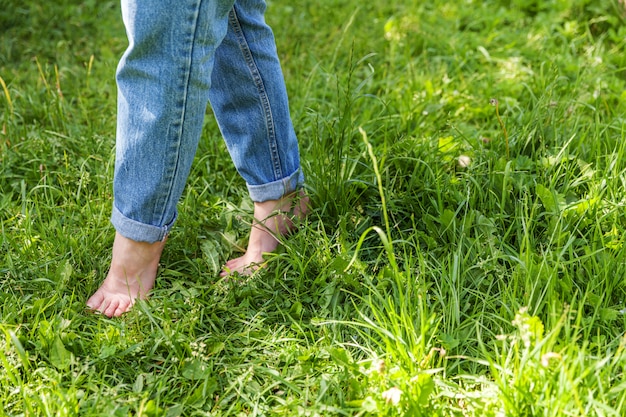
181 106
258 81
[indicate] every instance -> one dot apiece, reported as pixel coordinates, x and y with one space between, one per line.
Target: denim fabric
181 54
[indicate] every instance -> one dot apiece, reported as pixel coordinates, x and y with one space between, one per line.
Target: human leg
249 99
272 219
163 84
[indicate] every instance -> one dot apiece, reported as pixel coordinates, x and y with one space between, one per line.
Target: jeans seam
263 97
185 71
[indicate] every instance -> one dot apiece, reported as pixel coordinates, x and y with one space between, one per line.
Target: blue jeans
183 54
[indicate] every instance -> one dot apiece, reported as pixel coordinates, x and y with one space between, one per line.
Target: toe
111 308
231 266
95 301
121 310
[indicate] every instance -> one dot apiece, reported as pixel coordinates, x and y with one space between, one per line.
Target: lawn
465 255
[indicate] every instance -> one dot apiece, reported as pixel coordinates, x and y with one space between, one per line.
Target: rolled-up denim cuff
138 231
276 189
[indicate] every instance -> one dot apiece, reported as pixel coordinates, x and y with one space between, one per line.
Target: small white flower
464 161
392 395
379 366
545 359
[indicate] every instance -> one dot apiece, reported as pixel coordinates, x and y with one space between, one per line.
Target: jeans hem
137 231
277 189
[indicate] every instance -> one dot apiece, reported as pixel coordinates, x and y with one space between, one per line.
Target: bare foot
131 276
272 219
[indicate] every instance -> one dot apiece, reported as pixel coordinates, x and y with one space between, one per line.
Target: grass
465 255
